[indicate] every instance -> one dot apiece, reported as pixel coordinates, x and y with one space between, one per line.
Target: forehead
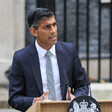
47 21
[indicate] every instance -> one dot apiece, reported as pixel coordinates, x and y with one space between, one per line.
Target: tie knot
48 53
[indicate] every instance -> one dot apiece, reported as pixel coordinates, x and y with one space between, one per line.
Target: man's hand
40 98
71 95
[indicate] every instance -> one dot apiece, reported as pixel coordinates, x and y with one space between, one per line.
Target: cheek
40 34
56 28
43 35
43 32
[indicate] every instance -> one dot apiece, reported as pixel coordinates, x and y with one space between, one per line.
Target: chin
55 42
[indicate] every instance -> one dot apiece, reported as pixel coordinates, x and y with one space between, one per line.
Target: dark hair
37 15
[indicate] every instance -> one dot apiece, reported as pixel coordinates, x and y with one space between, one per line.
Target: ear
33 31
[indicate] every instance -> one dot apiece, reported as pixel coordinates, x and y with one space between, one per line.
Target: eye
54 24
47 26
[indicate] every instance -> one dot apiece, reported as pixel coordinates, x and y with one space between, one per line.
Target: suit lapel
60 58
34 61
35 65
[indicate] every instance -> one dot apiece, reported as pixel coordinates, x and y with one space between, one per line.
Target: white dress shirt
42 60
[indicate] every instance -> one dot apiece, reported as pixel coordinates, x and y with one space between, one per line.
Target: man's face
47 32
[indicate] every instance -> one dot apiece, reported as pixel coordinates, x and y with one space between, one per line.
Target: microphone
90 90
67 84
84 72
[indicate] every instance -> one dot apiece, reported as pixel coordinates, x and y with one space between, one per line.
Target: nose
53 29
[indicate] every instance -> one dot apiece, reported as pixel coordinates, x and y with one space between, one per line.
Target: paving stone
8 110
4 97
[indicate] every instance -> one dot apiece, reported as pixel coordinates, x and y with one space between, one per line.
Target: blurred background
85 23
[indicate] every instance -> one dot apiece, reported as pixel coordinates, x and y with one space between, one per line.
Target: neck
46 47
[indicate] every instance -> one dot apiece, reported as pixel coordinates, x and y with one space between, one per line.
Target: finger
72 96
69 89
39 99
68 92
44 96
46 92
67 96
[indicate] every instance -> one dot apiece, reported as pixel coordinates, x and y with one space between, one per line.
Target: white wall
12 32
105 1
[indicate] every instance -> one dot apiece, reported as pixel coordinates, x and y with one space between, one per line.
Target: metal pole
99 44
50 4
87 37
111 41
64 26
77 25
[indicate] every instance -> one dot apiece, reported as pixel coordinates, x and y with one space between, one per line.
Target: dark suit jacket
26 82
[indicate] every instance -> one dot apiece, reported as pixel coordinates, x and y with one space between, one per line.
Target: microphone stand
67 83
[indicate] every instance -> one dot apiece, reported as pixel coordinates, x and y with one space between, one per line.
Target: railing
52 4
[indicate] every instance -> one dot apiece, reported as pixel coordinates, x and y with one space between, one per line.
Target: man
29 73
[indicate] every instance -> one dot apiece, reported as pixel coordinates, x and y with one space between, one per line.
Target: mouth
53 37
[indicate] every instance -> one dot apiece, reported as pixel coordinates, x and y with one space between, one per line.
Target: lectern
62 106
49 106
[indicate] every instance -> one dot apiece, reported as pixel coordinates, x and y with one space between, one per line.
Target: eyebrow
49 24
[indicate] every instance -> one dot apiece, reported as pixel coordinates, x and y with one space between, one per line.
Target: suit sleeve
17 97
80 78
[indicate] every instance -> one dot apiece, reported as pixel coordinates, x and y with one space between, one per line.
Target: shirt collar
43 51
52 50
